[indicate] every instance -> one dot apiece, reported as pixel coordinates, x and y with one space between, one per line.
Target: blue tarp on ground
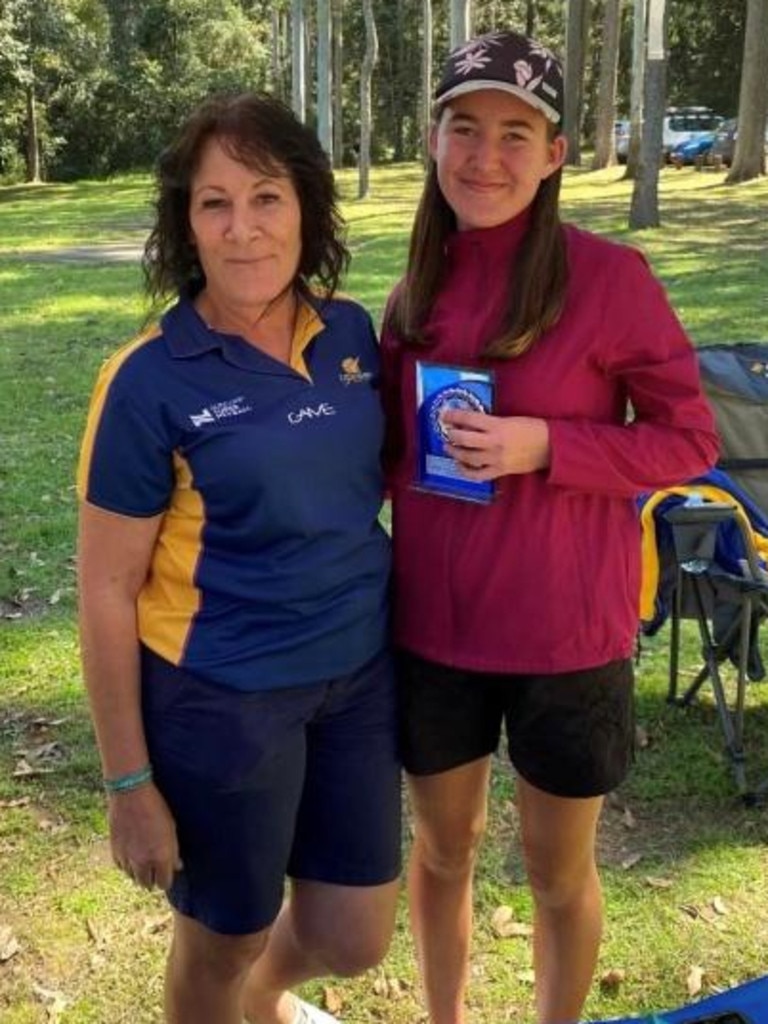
750 1000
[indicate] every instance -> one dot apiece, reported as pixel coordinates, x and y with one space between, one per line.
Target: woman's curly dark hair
264 134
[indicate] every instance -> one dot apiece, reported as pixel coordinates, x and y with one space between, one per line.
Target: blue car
692 150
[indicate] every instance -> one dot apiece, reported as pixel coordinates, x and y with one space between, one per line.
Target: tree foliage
92 87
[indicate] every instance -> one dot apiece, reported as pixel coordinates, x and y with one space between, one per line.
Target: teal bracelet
133 780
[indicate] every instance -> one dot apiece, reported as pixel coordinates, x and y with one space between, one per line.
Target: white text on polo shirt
220 411
310 412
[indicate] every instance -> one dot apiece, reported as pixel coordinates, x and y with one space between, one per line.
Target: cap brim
514 90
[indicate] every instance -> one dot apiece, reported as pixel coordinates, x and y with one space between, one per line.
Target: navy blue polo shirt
270 568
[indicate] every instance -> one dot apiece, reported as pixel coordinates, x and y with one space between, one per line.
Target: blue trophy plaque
438 389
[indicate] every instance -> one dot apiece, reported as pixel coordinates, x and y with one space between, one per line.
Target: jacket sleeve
669 435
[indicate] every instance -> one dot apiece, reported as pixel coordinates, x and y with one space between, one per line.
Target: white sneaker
306 1013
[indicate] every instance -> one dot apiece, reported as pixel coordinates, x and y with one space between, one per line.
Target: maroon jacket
546 578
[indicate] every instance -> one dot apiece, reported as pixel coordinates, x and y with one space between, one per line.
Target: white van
682 124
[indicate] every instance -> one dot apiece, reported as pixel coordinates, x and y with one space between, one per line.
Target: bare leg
558 836
450 814
205 973
323 929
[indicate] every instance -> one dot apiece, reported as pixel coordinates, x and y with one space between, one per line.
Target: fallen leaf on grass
658 883
22 801
332 1000
43 724
49 752
95 934
689 910
628 819
55 1002
390 988
155 924
505 926
694 980
9 944
642 739
631 860
611 980
51 825
719 906
24 770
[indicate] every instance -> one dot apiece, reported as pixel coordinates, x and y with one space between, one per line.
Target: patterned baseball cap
510 62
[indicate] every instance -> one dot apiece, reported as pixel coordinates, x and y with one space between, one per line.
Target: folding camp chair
711 538
728 608
735 379
745 1004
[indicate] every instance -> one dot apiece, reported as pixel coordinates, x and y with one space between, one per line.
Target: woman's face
492 151
246 226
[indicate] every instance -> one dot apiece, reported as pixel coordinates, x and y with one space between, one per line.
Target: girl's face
492 151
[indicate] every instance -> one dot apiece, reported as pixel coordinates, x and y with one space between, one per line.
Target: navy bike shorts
571 734
303 781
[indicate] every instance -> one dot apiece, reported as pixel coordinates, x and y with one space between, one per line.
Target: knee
223 959
558 885
450 858
347 952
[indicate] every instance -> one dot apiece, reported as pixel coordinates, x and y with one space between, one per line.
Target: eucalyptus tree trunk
275 52
366 78
324 76
749 155
605 138
426 77
576 29
640 17
337 43
644 208
33 135
298 60
461 21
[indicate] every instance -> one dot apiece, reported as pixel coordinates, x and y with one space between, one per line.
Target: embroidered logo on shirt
351 372
310 412
220 411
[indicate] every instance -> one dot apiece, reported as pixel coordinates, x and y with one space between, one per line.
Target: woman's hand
143 837
486 447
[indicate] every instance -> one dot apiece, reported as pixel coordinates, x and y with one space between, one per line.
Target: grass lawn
685 866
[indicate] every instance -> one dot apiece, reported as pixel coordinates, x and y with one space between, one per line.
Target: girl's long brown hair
537 281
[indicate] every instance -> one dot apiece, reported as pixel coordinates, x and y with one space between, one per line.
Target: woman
233 581
520 607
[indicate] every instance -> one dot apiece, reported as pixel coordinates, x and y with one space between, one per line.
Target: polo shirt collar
188 336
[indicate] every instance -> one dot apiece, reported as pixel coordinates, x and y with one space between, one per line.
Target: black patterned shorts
571 734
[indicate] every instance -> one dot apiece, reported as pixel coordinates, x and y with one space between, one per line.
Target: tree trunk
298 62
530 17
576 29
366 78
33 138
638 86
644 209
749 155
397 84
337 37
426 77
605 139
274 53
461 21
324 90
